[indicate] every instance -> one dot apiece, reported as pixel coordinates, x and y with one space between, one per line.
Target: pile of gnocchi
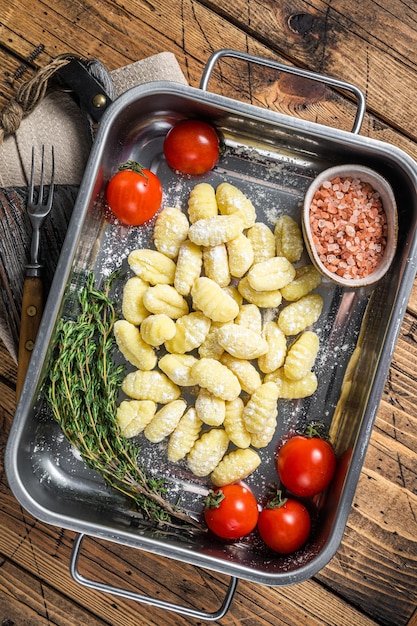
220 312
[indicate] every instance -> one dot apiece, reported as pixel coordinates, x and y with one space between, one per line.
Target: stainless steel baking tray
272 158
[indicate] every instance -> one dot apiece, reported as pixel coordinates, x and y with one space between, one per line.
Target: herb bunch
82 391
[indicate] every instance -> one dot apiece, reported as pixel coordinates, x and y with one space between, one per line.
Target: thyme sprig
82 391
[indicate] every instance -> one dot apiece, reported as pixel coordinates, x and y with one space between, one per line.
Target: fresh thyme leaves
82 391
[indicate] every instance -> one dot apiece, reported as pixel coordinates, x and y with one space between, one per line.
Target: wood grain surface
373 577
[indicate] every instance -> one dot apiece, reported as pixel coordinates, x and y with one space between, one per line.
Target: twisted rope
28 96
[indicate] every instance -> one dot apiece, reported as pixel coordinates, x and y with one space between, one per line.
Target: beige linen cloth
56 120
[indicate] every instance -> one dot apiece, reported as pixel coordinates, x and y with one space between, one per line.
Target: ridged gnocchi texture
261 408
288 238
156 329
232 201
297 316
165 299
213 231
153 385
171 230
152 266
165 420
216 378
202 203
234 466
133 416
301 356
220 313
208 451
133 347
215 303
133 309
184 435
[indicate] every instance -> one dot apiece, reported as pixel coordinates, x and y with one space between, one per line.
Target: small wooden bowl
380 185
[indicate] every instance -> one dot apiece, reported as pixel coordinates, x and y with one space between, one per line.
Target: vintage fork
32 301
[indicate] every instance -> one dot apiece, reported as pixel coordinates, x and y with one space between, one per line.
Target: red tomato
306 465
134 194
231 511
284 525
192 147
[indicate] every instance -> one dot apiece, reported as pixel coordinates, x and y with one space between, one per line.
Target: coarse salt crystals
349 227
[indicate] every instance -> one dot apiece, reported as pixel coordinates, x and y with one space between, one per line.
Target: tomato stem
316 429
214 499
134 166
277 501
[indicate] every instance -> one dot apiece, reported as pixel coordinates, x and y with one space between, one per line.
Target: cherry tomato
306 465
134 194
284 525
231 511
192 147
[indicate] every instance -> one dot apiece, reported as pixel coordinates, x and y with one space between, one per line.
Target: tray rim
30 387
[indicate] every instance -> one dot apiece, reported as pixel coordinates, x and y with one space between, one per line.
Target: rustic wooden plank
331 38
192 46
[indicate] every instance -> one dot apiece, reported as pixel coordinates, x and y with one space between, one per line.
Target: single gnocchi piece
234 424
133 416
152 266
288 238
165 420
277 348
262 240
215 230
297 316
265 436
184 436
133 309
189 264
207 452
165 299
262 299
216 264
306 279
215 303
272 274
216 378
210 409
232 201
240 255
133 347
301 355
247 374
156 329
250 316
190 332
241 342
261 408
293 389
178 368
234 466
202 203
150 385
170 231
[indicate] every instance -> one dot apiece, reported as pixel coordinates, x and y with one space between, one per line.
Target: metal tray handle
333 82
137 597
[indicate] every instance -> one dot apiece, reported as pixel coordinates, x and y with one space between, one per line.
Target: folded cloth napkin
56 120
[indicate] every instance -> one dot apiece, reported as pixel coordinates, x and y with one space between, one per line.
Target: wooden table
373 577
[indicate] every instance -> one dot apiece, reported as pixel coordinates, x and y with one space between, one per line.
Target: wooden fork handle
32 309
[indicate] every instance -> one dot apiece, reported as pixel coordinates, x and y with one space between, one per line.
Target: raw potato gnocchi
133 416
210 311
234 466
133 347
207 452
171 229
184 435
